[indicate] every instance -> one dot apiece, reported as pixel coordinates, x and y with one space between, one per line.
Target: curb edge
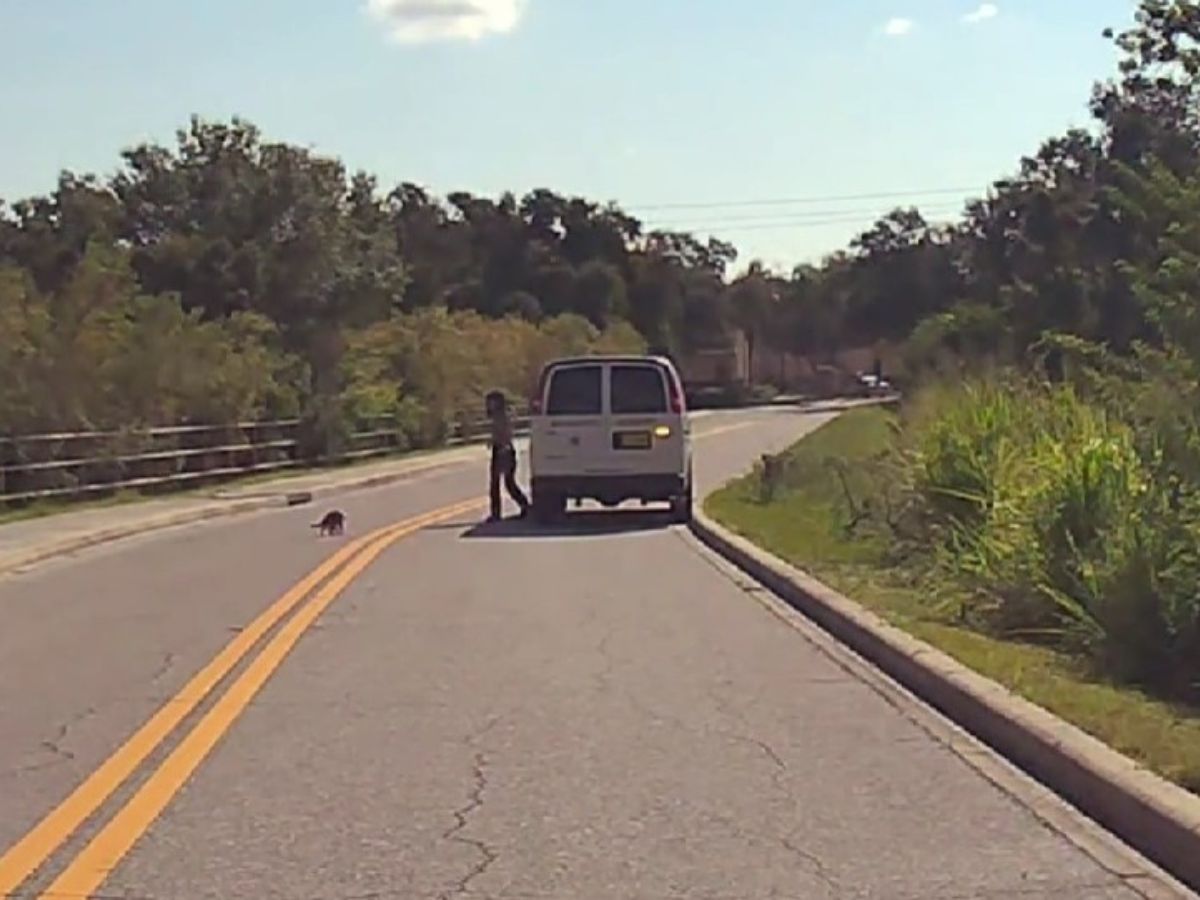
218 510
1155 817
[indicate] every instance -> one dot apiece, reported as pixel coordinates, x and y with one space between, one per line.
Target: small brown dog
334 523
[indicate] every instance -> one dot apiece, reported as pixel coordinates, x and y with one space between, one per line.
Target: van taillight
535 401
677 401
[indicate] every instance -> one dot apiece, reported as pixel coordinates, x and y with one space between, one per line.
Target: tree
49 236
754 306
600 294
1154 105
1166 280
521 304
232 224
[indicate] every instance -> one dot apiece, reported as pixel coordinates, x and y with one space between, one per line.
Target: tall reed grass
1062 522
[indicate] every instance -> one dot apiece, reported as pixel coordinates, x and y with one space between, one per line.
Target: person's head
495 403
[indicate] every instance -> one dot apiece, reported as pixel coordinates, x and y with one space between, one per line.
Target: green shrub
963 444
1060 521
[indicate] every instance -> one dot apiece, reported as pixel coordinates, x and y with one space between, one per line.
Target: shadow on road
576 524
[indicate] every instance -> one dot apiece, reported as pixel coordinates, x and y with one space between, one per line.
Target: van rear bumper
611 489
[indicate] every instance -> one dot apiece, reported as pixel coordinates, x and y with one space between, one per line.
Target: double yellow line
102 854
89 869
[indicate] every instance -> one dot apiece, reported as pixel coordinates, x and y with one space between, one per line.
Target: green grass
806 524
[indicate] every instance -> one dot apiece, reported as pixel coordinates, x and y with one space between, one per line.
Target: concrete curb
108 535
1158 819
218 510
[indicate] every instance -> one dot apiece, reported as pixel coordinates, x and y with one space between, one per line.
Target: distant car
610 429
871 386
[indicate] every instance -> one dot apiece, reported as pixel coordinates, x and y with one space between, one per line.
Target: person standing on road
504 457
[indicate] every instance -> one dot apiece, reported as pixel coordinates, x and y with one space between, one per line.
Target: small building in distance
719 365
730 365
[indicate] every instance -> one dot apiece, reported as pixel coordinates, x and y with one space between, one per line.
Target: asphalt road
602 711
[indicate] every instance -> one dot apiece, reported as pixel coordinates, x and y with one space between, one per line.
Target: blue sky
652 103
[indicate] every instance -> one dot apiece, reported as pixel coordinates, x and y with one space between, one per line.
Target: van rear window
638 390
574 391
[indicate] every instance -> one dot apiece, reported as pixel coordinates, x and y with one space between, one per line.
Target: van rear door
572 427
647 434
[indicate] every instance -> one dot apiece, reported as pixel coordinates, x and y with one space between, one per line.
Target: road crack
813 863
762 745
165 667
731 712
810 861
56 745
462 818
604 677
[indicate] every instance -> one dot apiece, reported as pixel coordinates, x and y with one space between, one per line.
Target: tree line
230 276
1090 247
1044 476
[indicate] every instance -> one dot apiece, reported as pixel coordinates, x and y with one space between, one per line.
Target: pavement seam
715 544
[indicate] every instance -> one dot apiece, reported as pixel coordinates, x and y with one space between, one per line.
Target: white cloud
419 21
898 27
986 11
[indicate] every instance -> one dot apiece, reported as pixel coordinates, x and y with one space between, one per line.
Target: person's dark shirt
502 431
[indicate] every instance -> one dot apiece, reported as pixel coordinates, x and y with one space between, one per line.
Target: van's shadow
576 523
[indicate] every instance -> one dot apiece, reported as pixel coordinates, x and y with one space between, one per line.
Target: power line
712 226
778 226
799 200
942 206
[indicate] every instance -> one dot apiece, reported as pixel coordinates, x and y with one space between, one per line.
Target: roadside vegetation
1039 555
230 278
1033 507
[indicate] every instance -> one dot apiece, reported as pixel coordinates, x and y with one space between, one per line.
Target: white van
610 429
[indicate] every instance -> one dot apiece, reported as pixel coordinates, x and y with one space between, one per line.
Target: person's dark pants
504 468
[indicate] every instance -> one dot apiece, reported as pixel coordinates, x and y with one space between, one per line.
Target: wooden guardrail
77 465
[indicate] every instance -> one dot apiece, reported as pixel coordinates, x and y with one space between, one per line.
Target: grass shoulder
810 522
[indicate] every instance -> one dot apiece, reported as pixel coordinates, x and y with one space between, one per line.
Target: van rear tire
682 507
549 508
